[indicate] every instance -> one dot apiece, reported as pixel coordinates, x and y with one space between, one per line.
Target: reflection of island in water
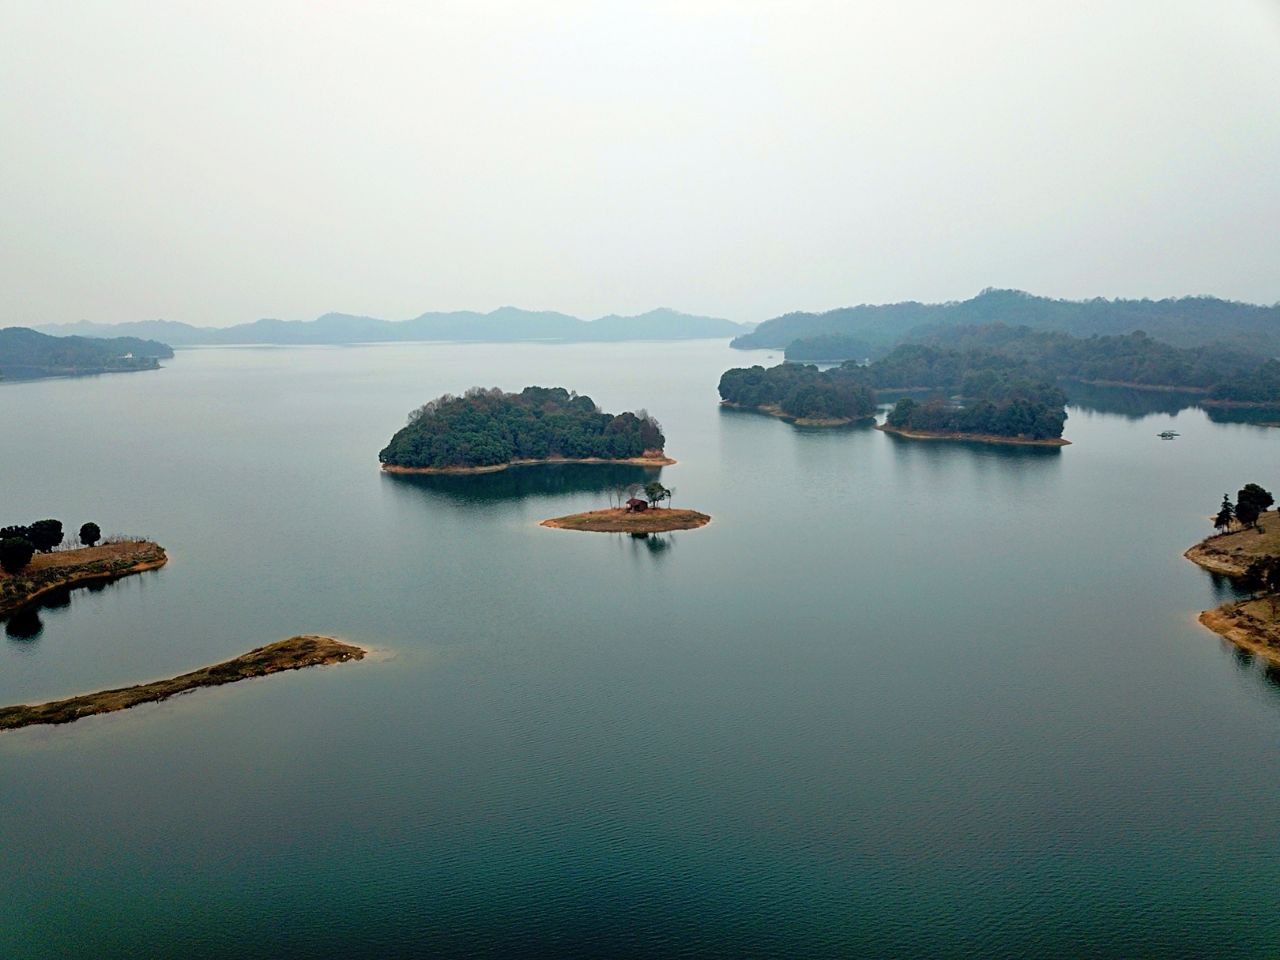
547 480
656 544
1265 417
1134 403
26 624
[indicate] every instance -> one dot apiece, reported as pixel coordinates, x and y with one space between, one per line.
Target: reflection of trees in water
654 544
24 625
1226 589
1252 416
561 479
1266 673
1128 402
1134 404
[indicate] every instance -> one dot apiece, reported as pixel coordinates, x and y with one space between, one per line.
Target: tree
1247 513
7 533
15 553
654 492
90 533
45 534
1255 494
1226 514
1263 575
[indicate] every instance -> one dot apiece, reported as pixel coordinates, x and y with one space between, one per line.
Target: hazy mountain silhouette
506 324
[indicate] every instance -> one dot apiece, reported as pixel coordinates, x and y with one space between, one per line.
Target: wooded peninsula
26 354
485 430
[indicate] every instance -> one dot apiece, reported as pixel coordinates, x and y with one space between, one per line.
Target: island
292 654
486 429
624 520
800 394
26 355
1247 549
969 395
48 572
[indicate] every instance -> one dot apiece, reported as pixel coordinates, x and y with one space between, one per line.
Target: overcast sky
220 162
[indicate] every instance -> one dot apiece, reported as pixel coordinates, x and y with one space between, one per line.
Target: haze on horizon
219 163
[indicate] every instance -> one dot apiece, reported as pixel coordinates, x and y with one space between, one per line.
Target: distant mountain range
855 331
506 324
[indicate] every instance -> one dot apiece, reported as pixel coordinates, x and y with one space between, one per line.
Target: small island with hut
486 429
1246 549
639 511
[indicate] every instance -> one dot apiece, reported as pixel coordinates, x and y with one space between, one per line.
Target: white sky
220 162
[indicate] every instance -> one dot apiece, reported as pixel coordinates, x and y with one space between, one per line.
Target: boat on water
1168 434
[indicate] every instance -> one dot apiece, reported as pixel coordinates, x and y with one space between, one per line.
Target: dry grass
67 568
1250 625
619 520
292 654
1231 553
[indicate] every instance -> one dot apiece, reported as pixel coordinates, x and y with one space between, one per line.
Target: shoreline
1231 553
773 410
1153 387
494 468
102 567
619 520
295 653
972 437
1249 624
1236 625
1238 404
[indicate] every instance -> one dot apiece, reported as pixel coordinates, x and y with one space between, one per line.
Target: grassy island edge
81 572
296 653
659 461
619 520
973 437
774 410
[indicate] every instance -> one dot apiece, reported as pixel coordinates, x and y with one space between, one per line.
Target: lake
898 699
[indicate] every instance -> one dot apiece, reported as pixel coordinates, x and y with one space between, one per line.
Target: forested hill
504 325
1185 322
26 354
486 428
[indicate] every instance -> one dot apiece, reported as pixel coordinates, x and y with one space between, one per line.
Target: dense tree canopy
490 427
800 391
45 534
15 553
1261 385
90 533
1000 403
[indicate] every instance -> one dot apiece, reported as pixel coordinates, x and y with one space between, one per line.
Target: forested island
1247 549
487 429
26 354
974 395
292 654
802 394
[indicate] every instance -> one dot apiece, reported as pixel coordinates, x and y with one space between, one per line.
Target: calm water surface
897 699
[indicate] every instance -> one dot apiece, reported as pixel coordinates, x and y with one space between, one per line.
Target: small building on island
636 505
